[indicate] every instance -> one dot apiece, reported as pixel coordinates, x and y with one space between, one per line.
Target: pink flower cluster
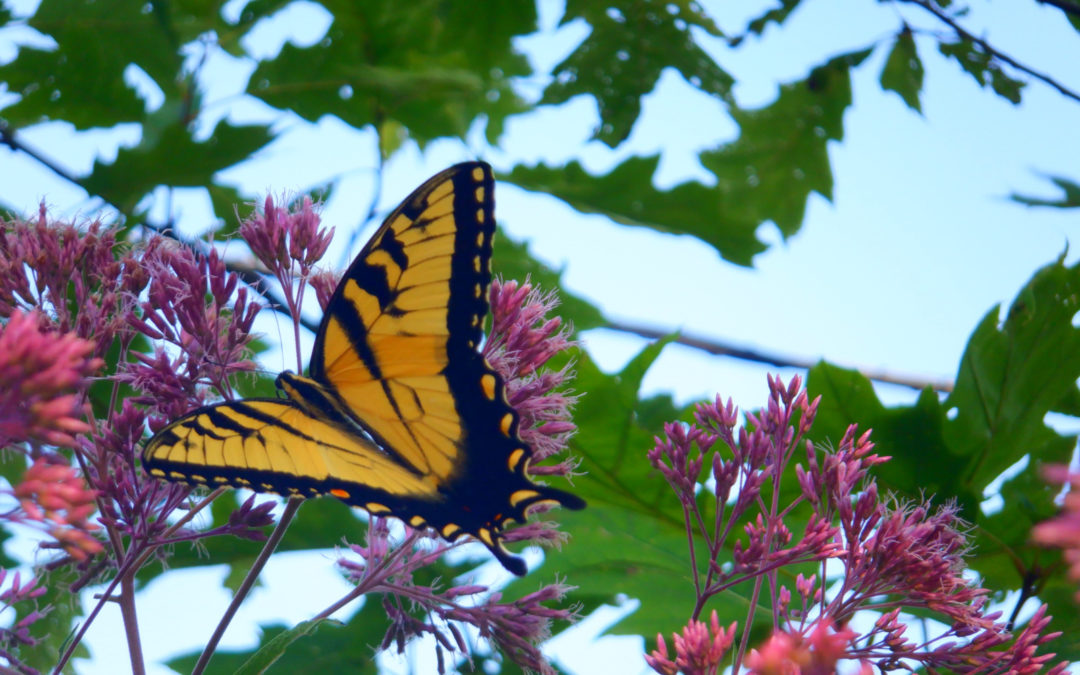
893 558
45 374
56 496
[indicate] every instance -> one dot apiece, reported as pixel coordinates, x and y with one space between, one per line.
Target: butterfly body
400 414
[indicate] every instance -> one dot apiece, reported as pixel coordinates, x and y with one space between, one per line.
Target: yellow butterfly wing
271 445
401 415
406 319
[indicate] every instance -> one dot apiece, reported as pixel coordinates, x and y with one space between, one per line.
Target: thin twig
718 348
1001 56
249 580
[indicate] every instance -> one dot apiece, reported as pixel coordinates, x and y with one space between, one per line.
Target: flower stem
275 537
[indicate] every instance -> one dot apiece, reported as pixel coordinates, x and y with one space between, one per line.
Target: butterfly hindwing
401 415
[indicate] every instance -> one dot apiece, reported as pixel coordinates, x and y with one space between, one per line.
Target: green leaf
431 66
903 71
55 630
6 561
911 435
82 80
631 533
311 646
781 155
226 202
627 196
512 260
1070 198
621 60
230 36
776 15
982 66
1012 375
319 524
1005 86
190 163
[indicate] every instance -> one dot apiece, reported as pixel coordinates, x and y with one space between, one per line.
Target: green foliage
432 67
633 524
775 15
779 158
903 71
623 57
781 154
137 171
1070 197
310 646
982 66
1011 377
82 81
690 208
59 623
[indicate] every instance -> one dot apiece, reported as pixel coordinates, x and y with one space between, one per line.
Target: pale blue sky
917 244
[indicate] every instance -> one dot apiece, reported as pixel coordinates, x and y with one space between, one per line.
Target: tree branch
7 137
1001 56
716 348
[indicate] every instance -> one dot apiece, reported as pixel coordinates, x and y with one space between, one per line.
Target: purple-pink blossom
45 375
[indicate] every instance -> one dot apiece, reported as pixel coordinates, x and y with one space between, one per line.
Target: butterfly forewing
412 304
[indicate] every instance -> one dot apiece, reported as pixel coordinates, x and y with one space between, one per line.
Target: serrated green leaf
1070 198
775 15
82 80
1011 376
628 48
982 66
627 196
1005 86
972 58
226 202
903 71
781 155
632 531
434 67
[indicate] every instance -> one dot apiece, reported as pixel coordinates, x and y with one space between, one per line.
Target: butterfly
400 414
